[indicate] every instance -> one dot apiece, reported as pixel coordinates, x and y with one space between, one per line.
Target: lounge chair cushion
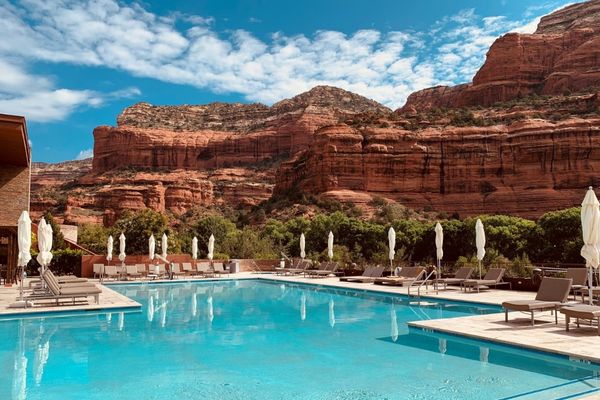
529 305
583 311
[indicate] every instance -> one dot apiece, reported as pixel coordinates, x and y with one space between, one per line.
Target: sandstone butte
529 158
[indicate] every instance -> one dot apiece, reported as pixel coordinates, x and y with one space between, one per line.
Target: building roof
14 144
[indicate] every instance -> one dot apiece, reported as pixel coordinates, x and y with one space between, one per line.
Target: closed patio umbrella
211 247
480 242
151 247
194 248
330 246
122 254
24 243
439 245
590 220
44 256
164 244
392 247
302 246
109 248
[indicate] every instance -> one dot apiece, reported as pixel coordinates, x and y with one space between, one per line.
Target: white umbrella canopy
24 239
164 244
24 243
480 242
330 246
194 248
109 248
211 247
44 256
439 243
302 246
590 220
392 244
122 254
151 247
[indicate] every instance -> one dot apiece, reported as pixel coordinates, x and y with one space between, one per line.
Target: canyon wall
526 168
561 56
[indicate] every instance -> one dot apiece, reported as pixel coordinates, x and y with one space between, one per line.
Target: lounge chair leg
506 315
555 317
567 321
532 320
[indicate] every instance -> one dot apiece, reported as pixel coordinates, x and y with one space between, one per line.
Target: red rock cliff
562 55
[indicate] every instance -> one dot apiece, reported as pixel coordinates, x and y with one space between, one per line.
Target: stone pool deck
109 300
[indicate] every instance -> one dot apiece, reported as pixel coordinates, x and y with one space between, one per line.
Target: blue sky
69 66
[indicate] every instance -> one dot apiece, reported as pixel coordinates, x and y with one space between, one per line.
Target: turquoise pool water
266 340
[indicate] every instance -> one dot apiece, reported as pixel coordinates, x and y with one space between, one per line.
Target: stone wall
14 193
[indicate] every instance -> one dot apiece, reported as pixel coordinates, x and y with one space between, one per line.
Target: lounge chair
132 272
176 270
203 268
553 292
219 269
408 275
492 278
461 275
581 311
58 292
98 270
579 277
187 268
328 269
141 269
110 271
301 266
368 276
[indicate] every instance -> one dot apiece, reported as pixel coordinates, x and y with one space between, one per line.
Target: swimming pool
255 339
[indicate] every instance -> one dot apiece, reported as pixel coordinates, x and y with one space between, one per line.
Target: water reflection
331 313
484 354
209 302
303 307
194 305
19 389
151 309
163 314
121 321
442 345
394 323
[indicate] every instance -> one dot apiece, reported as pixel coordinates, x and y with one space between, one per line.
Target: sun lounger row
54 290
154 271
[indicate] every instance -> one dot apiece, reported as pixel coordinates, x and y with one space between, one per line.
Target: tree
137 226
93 237
58 239
203 227
561 238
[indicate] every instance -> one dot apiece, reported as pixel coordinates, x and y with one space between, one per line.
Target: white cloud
83 154
37 98
384 66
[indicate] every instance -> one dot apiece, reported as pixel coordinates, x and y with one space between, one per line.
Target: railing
421 283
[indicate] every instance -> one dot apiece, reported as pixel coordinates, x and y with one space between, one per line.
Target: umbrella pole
479 269
391 268
21 284
590 285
